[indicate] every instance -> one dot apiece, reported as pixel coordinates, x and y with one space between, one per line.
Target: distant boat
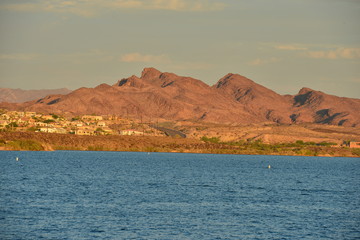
17 159
269 166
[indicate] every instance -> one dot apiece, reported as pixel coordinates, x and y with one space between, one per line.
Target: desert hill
258 100
318 107
234 99
19 95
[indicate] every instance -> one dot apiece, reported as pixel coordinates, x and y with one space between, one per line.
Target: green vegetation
27 145
45 141
210 140
302 143
151 149
356 152
48 121
32 129
258 147
12 125
97 148
2 142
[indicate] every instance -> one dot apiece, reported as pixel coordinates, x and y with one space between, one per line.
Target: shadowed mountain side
315 106
233 99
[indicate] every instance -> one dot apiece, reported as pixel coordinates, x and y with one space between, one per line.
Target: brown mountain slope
153 95
233 99
167 95
260 101
19 95
315 106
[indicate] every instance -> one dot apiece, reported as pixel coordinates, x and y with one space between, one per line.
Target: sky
282 44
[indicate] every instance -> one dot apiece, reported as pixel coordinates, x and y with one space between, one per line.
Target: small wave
96 231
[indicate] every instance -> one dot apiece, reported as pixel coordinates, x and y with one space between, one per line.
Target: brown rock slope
233 99
258 100
317 107
153 95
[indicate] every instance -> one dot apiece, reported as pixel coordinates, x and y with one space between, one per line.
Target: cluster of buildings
52 123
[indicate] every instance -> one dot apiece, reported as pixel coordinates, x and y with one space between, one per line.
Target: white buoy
17 159
269 166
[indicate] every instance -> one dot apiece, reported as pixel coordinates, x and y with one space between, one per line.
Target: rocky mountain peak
132 81
231 79
103 86
150 73
305 90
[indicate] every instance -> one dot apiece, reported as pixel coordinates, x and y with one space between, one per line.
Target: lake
123 195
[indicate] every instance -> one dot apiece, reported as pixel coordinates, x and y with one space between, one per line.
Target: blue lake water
119 195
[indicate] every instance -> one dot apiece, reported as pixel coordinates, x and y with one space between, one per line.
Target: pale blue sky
281 44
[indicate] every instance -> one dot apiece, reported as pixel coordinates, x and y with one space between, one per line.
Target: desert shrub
12 125
28 145
211 140
32 129
326 144
49 121
96 148
356 152
151 149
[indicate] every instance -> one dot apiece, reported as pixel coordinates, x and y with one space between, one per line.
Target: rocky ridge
234 99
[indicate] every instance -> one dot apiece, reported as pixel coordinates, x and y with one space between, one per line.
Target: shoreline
28 141
240 154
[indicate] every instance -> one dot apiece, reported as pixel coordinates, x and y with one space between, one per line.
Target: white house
129 132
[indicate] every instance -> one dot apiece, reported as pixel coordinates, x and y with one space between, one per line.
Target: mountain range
234 99
19 95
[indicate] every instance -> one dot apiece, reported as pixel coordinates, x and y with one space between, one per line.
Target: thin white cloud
290 47
183 5
22 7
339 53
259 61
137 57
88 8
81 8
332 52
19 56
